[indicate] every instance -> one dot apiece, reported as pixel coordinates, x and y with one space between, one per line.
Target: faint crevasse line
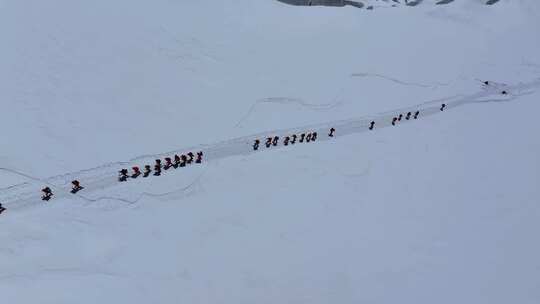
504 99
288 100
182 190
54 271
421 85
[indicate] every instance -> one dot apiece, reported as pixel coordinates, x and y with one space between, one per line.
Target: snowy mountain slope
117 71
441 210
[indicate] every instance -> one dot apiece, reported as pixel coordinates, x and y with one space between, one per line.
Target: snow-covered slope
441 209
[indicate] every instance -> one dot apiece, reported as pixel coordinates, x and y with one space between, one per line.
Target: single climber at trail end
123 175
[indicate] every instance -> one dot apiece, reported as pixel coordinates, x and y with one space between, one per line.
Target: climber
176 161
275 141
136 172
123 175
372 125
47 193
147 170
76 186
394 121
168 163
416 114
199 157
256 145
443 106
332 131
157 169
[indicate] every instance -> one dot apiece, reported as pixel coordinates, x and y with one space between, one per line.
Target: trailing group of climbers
175 162
123 175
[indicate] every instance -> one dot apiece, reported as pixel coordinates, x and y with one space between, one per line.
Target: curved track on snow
26 194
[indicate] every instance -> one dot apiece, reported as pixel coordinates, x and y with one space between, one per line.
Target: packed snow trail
28 193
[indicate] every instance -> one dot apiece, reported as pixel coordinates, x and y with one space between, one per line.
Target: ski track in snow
27 194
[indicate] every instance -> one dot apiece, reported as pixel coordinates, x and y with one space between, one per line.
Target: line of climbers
178 162
308 137
407 117
47 192
274 141
183 160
